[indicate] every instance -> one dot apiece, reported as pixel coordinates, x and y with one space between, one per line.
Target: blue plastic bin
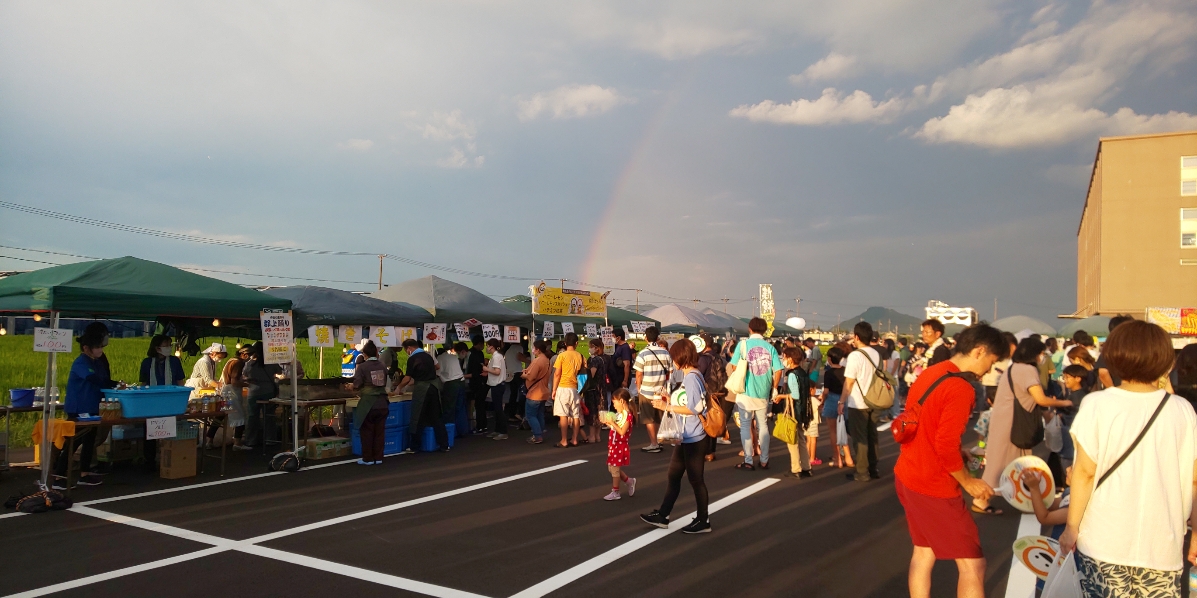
399 415
21 397
155 401
462 423
428 437
395 441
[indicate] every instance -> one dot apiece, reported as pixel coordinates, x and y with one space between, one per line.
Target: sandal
745 466
556 445
987 510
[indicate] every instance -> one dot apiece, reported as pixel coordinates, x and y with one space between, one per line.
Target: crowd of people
1126 409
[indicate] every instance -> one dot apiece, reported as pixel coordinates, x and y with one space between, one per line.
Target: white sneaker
723 441
500 437
631 486
614 495
363 462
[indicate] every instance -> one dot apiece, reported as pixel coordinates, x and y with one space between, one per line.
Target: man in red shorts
930 471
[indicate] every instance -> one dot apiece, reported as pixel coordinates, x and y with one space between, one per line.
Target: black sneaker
874 476
479 432
656 519
89 480
697 527
807 474
852 478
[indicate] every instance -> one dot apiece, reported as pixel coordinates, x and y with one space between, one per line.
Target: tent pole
295 396
48 408
321 362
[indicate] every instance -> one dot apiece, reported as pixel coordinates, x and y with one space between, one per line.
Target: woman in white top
1132 481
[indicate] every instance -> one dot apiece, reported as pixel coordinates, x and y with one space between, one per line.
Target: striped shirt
655 364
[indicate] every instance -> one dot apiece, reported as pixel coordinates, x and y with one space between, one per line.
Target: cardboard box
327 447
176 458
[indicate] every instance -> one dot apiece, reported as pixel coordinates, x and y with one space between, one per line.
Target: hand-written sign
549 330
157 428
52 340
384 336
592 330
436 334
567 327
511 334
320 335
639 327
490 331
405 333
608 334
278 336
349 335
463 332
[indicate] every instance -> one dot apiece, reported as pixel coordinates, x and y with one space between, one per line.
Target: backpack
716 376
803 409
881 391
1026 431
714 421
906 425
39 502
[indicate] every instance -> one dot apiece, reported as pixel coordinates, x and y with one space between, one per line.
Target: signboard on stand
608 334
349 335
384 336
158 428
490 331
549 330
404 333
511 334
672 337
567 327
321 335
463 332
52 340
639 327
436 334
592 330
552 301
278 336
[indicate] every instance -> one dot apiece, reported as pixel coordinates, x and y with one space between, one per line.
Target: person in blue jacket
89 376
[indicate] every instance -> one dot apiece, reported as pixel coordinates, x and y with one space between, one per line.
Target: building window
1188 227
1188 175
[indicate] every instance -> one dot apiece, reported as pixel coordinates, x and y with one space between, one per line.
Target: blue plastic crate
399 415
428 437
395 437
462 421
155 401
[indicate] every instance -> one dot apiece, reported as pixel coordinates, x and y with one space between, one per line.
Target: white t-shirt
1137 517
497 361
512 358
450 367
860 369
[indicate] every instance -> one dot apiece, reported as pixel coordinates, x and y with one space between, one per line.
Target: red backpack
906 425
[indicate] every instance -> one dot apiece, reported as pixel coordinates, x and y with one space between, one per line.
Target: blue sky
851 153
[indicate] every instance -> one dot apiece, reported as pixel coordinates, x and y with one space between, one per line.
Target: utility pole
637 301
380 271
798 311
995 308
725 305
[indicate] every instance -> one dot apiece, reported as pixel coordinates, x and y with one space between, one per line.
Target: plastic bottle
1193 581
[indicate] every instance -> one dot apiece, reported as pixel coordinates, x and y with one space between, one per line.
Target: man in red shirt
930 471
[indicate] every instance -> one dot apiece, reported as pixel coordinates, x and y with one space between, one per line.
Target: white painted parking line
7 515
578 571
1021 582
249 546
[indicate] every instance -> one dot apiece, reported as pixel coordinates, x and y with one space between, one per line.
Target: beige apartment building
1137 242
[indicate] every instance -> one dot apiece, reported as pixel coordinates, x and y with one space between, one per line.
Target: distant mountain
884 319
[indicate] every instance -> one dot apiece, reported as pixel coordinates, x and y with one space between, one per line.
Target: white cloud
572 101
459 159
832 66
831 108
450 127
1024 117
357 145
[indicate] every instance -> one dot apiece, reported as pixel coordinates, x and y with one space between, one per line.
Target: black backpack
716 377
1026 432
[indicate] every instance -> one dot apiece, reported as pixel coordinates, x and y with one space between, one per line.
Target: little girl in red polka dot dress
620 424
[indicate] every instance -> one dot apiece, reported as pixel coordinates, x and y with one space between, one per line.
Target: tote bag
1026 432
786 428
737 379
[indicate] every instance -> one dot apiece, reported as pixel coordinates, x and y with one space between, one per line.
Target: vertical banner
404 333
490 331
349 335
321 335
592 330
567 327
436 334
384 336
608 334
511 334
768 313
278 337
463 332
549 330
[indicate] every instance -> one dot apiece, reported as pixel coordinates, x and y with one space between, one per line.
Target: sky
850 153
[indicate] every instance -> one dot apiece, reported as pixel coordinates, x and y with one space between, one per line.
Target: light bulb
238 345
216 323
3 331
37 317
178 354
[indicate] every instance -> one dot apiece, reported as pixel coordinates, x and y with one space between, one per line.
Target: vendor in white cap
204 375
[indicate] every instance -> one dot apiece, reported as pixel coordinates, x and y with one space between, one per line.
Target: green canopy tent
126 287
1023 323
616 317
452 303
1098 326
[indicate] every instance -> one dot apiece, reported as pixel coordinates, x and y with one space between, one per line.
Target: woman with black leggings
686 404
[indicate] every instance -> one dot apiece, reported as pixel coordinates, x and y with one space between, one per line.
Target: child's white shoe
614 495
631 486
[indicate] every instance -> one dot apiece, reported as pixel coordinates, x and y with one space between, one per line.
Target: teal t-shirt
762 362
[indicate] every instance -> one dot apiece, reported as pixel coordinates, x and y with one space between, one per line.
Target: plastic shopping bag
841 432
1053 434
1063 581
670 431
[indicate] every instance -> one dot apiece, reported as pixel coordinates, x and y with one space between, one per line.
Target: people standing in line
1184 375
516 357
536 379
1132 482
427 392
262 379
932 334
994 375
714 373
892 363
1020 382
1105 376
596 394
833 389
796 387
452 380
618 434
476 378
930 472
859 375
814 359
567 405
232 383
687 403
1074 387
496 382
370 415
752 405
90 375
1047 371
621 362
652 367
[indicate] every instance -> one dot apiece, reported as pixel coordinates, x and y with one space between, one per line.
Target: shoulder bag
737 379
1026 431
1134 444
906 425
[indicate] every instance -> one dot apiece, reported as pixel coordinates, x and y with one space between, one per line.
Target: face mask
164 351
